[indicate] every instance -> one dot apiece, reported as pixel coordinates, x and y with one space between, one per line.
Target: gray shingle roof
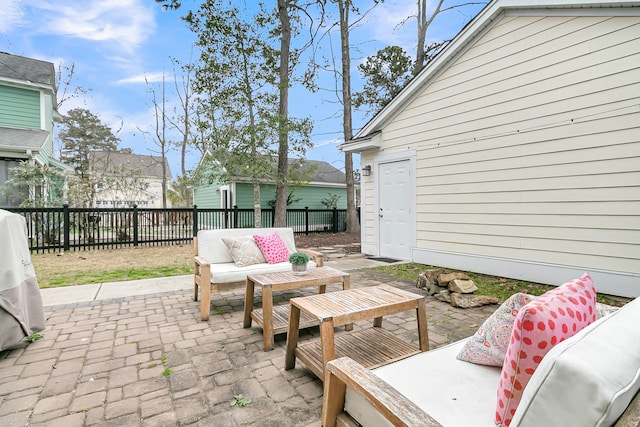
26 69
13 139
323 172
150 166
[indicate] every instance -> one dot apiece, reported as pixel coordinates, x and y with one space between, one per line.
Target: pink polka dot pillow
272 247
488 345
544 322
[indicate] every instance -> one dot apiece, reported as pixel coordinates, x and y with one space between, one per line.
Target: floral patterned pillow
272 247
541 324
605 310
488 345
244 251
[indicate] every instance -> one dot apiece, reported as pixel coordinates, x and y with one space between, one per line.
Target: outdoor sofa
589 379
216 271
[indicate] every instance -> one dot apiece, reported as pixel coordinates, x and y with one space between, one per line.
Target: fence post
235 216
306 220
195 220
335 220
67 226
135 225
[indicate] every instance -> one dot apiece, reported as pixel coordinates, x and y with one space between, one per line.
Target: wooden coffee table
370 347
273 320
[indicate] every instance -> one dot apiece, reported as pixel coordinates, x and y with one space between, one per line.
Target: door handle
380 214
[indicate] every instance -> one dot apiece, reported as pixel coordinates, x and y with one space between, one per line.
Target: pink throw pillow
272 247
541 324
489 344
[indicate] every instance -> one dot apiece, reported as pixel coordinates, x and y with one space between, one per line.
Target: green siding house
27 110
325 182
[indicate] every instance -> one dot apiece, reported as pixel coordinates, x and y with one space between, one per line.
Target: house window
14 199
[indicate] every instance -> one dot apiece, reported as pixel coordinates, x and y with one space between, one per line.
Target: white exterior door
394 210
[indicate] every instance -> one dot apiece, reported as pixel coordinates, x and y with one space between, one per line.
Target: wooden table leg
346 284
377 322
292 337
248 303
267 317
423 329
327 344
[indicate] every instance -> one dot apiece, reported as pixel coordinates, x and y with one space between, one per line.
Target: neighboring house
27 109
516 151
324 182
124 179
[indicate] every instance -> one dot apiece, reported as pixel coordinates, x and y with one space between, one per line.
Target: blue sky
115 45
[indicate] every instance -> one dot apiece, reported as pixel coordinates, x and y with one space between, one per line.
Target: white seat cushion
454 392
229 272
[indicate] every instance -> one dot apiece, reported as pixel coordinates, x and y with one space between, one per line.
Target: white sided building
516 151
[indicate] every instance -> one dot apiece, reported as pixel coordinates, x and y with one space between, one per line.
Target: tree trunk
257 210
280 219
352 223
163 148
423 25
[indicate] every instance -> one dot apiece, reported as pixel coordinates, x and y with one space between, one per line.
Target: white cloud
12 14
125 24
143 78
385 23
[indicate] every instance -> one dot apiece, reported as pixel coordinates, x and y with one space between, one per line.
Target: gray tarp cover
21 311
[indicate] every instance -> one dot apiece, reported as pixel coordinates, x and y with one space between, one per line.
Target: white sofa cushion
589 379
212 248
229 272
454 392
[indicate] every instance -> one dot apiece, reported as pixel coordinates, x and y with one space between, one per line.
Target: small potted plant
299 262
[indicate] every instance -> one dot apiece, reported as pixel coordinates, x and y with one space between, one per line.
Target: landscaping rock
444 295
469 300
428 282
444 279
462 286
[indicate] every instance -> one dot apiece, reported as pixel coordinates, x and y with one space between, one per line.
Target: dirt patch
152 257
328 239
141 257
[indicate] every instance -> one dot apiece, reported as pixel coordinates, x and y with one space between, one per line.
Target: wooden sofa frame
202 278
395 407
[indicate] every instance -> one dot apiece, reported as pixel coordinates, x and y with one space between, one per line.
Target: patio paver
148 360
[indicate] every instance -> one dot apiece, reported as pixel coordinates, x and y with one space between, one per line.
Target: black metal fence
65 228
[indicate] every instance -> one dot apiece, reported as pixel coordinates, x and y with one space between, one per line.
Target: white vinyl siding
528 145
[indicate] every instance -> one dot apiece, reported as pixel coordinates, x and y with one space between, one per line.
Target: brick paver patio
150 361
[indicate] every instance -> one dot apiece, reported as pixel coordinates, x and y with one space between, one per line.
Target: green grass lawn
499 287
62 278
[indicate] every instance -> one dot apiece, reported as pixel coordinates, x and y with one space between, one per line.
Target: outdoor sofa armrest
202 279
201 261
318 257
345 372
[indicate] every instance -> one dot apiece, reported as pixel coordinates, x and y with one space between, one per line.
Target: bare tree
65 89
185 111
424 20
160 132
353 224
280 215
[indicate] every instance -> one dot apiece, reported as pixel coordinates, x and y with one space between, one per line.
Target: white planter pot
299 269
